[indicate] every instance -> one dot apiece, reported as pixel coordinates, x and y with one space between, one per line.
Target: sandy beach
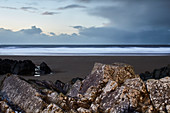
67 67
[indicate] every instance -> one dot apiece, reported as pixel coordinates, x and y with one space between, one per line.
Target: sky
84 22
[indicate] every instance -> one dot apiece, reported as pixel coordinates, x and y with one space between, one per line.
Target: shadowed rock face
108 89
25 67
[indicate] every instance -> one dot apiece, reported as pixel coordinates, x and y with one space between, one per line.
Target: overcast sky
84 22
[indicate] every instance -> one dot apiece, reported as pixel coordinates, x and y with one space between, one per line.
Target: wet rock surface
110 88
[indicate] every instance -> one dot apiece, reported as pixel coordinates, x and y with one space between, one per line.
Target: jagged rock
159 92
108 89
102 73
44 68
22 94
74 89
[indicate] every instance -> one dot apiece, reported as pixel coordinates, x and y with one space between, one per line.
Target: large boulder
6 66
102 73
44 68
131 97
22 94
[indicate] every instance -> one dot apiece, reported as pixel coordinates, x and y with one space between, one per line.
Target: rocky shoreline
110 88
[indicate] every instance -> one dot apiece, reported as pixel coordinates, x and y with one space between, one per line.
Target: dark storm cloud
136 15
113 35
49 13
71 7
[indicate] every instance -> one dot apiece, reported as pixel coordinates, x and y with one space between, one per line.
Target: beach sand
67 67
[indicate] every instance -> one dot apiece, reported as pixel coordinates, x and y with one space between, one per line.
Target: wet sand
67 67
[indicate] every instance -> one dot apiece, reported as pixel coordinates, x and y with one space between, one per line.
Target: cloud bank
93 35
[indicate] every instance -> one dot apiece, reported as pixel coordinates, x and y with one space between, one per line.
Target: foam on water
57 51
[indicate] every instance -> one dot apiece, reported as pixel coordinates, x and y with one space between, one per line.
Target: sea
85 50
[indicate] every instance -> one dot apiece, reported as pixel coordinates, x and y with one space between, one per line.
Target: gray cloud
49 13
113 35
78 27
28 8
71 7
93 35
33 30
5 7
135 14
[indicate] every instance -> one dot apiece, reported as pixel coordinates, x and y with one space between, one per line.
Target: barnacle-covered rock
53 108
4 108
130 97
159 92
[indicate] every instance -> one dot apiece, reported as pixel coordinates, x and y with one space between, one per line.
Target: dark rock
156 74
44 68
6 66
25 67
60 86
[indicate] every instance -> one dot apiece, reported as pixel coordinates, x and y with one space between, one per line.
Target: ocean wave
82 50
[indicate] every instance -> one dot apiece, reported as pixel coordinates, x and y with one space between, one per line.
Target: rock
83 110
44 68
156 73
60 86
108 89
74 90
4 108
26 67
6 66
102 73
159 92
130 97
53 108
75 79
22 94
